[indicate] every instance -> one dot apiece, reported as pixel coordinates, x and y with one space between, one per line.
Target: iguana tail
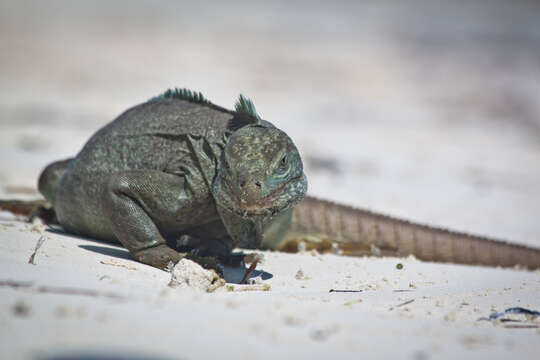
21 207
327 226
30 209
48 183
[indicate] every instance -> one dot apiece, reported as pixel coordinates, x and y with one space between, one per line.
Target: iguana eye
283 161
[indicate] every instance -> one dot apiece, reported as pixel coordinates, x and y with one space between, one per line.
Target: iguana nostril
258 184
242 184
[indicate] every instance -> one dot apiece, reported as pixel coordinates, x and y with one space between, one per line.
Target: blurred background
426 110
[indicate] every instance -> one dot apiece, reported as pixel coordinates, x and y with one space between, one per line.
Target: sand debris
188 274
300 275
114 262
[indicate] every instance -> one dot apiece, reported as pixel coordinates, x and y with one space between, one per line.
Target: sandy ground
421 311
428 111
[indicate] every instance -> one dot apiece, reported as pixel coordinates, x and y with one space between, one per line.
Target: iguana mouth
262 206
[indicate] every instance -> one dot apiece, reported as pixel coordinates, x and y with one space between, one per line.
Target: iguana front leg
135 202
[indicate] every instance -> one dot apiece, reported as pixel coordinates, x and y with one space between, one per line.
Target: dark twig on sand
58 290
40 242
521 326
405 303
250 269
402 304
345 291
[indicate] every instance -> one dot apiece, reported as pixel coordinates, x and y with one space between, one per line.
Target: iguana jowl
180 173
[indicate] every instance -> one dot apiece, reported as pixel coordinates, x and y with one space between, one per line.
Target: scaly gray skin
179 173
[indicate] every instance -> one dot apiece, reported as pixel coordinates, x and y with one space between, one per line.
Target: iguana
180 176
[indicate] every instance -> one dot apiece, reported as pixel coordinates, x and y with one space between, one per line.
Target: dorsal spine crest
183 94
244 106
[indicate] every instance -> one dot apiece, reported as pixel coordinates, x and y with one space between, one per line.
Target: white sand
135 312
428 112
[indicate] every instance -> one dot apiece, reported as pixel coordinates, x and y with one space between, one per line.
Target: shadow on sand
231 274
114 252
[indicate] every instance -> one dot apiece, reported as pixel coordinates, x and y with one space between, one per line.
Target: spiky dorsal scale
245 112
183 94
244 106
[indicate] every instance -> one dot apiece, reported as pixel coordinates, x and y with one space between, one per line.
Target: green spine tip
183 94
245 106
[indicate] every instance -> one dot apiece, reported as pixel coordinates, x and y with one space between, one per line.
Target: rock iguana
179 175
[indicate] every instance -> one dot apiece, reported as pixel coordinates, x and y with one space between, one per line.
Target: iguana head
260 173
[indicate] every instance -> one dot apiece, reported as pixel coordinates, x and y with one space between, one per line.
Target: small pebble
20 308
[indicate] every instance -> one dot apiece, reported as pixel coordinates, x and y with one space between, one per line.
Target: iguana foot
203 248
236 260
158 256
207 262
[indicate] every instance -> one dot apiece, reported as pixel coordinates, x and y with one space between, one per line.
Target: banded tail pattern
327 226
